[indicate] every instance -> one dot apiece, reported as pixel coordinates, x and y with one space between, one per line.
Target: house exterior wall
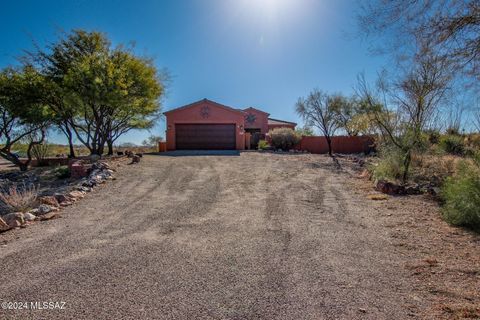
205 112
261 120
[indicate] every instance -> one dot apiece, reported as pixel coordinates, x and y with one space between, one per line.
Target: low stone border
49 206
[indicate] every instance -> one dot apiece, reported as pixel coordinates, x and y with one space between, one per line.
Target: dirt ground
249 236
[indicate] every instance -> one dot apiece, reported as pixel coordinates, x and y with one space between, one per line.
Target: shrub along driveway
252 236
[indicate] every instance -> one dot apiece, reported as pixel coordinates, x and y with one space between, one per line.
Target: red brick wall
340 144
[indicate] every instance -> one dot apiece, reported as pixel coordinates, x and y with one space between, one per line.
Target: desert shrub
19 198
390 166
433 136
284 138
40 152
62 172
473 141
452 144
461 196
263 145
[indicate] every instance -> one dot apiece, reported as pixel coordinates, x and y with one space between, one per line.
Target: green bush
461 196
452 144
62 172
263 145
433 136
40 152
284 138
390 166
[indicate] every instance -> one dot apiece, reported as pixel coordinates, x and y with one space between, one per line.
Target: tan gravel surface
255 236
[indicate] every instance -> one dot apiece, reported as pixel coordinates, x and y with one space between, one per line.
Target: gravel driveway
252 236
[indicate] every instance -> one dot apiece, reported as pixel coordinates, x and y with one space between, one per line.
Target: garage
205 136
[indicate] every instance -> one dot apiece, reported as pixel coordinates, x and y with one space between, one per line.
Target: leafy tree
305 131
99 92
24 116
152 141
320 110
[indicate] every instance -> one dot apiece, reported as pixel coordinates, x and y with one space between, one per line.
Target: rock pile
49 206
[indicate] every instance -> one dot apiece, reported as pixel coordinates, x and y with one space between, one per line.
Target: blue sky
261 53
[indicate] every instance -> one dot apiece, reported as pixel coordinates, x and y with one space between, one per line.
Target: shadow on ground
189 153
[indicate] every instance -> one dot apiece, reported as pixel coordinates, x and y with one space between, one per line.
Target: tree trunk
329 143
110 147
71 155
406 166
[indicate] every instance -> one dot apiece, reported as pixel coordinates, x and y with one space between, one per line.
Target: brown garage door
205 136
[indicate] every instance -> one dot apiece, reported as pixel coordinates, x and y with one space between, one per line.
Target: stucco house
206 124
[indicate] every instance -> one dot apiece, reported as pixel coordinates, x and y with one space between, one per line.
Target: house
206 124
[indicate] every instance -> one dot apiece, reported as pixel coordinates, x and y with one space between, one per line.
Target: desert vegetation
416 108
82 86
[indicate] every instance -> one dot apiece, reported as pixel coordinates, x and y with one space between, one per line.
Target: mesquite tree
320 110
100 92
402 109
24 118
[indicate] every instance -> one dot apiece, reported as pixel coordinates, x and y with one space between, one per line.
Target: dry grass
434 168
19 198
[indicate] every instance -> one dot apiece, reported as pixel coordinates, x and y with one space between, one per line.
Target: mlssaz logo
250 118
205 112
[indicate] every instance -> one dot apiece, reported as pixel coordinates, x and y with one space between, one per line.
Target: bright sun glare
268 8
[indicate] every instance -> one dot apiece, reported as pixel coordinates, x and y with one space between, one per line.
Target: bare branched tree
403 109
451 28
320 110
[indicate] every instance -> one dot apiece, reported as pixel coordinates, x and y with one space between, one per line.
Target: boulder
14 219
44 209
60 198
389 188
29 217
3 225
49 200
76 194
94 158
413 189
48 216
66 204
83 189
135 159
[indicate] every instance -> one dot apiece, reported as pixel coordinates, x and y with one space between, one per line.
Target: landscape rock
60 198
135 159
49 200
29 217
83 189
14 219
94 158
390 188
48 216
76 194
413 189
44 209
3 225
66 203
